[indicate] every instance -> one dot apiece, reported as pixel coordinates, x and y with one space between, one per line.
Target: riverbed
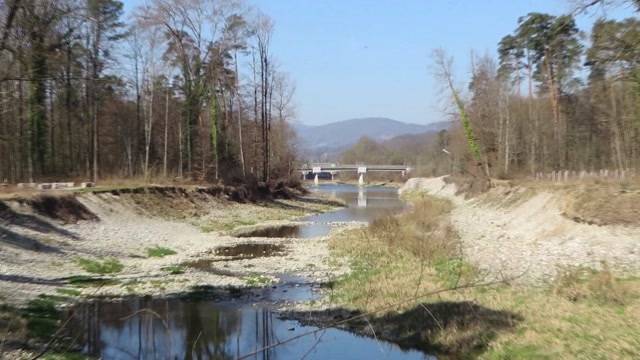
243 324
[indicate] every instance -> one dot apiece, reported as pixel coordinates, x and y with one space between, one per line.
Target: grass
582 314
257 280
225 225
35 324
174 269
43 319
90 281
106 266
159 252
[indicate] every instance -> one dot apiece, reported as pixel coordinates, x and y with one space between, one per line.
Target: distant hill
330 139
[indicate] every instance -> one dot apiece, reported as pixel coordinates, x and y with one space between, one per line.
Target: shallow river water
244 326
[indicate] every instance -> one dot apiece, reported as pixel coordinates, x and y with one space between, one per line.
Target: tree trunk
239 114
615 130
148 127
166 134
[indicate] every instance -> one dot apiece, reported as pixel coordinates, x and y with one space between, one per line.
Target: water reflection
363 204
362 198
184 329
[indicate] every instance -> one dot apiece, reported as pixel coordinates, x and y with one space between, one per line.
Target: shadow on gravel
448 329
25 242
31 222
30 280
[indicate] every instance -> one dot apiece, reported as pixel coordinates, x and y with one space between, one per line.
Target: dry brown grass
583 314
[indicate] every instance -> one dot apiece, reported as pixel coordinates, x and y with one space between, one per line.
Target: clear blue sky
360 58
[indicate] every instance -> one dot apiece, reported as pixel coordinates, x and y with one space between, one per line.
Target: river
244 325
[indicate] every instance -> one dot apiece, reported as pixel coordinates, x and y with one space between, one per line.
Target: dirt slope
520 232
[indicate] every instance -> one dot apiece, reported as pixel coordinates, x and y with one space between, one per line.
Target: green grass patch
43 318
453 272
257 280
174 269
106 266
159 251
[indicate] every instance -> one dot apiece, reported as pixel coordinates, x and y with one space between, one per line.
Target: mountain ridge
333 138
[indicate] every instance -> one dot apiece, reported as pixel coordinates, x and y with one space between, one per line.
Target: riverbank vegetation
186 89
408 274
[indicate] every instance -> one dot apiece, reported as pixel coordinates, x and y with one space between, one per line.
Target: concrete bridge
360 169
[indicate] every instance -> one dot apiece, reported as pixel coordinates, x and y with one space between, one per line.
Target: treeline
423 152
555 99
182 88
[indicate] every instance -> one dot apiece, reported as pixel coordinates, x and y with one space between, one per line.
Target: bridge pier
315 180
361 171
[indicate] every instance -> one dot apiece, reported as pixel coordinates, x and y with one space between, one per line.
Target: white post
361 170
315 180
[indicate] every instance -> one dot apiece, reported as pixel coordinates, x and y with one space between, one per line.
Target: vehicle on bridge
329 170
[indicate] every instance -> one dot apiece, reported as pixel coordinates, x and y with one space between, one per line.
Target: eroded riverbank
251 260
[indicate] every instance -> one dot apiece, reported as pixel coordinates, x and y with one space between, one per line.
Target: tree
104 28
264 31
443 65
555 50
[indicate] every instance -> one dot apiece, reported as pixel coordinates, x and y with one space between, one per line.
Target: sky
372 58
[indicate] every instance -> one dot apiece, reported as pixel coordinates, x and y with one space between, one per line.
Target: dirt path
514 232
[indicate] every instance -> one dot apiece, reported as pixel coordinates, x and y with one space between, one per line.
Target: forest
181 89
555 98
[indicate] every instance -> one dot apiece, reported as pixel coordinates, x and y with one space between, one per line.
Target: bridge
360 169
